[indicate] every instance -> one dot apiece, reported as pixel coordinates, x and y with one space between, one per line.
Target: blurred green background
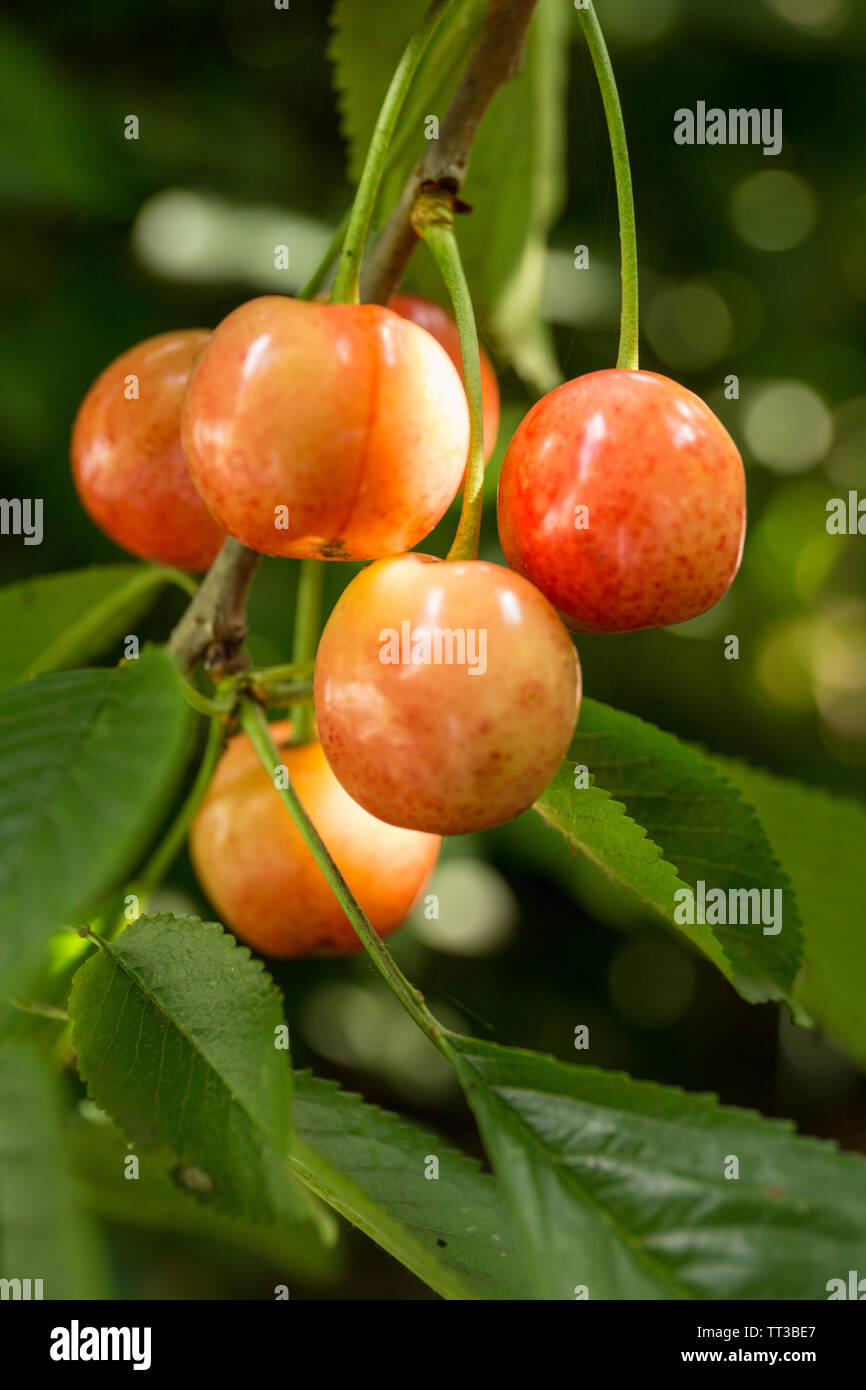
751 265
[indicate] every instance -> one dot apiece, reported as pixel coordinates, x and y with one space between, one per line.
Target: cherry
330 430
446 692
259 874
127 461
427 314
623 497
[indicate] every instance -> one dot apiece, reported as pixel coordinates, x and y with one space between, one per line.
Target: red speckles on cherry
622 496
127 460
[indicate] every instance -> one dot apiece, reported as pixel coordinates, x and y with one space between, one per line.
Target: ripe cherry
427 314
623 497
127 461
259 874
446 692
330 430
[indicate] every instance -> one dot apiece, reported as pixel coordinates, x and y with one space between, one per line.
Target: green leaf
702 827
620 1186
57 619
88 761
599 828
42 1233
452 1231
154 1201
176 1031
54 164
516 185
819 840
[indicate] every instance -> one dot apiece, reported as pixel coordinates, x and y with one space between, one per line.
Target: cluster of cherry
341 432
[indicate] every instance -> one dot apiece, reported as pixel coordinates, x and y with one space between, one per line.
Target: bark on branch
497 56
215 623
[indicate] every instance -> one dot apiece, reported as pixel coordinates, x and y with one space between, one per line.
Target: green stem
283 695
182 581
346 283
202 703
170 846
628 332
433 219
255 724
308 623
264 675
327 260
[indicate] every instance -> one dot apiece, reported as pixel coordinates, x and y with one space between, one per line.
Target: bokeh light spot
811 14
784 665
846 463
363 1027
689 325
651 983
773 210
638 21
477 909
788 426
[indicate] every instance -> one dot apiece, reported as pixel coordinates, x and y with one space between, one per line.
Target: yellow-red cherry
258 873
623 498
446 692
337 431
127 461
430 315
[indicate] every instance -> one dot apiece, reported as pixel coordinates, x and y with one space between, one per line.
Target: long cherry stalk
255 725
433 219
347 280
629 326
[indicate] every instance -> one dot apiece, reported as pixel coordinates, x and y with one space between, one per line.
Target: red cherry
427 314
256 869
664 493
127 461
338 431
438 745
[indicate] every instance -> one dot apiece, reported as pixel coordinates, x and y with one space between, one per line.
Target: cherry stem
346 288
256 726
216 620
170 846
308 623
271 675
433 219
291 693
628 331
327 260
203 704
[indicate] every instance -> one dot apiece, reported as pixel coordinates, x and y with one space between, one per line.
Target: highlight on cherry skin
127 460
430 315
623 497
255 868
337 431
446 692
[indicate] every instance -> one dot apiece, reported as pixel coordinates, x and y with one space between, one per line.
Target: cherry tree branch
215 626
496 58
215 623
